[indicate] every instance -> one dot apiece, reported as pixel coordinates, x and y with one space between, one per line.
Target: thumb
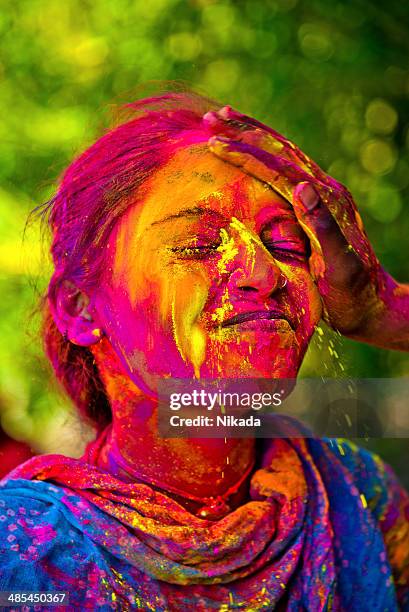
331 252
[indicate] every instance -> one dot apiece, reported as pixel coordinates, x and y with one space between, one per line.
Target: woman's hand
360 299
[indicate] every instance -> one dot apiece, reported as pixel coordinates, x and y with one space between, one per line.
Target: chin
257 364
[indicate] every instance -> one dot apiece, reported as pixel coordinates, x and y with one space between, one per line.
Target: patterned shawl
326 527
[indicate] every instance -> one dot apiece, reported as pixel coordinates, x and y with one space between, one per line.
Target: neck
191 470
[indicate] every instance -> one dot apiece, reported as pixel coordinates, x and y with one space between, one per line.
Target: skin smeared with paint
360 299
179 265
206 246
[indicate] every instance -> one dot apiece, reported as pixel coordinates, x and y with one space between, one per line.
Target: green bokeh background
332 76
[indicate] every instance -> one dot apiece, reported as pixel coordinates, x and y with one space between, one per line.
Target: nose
256 271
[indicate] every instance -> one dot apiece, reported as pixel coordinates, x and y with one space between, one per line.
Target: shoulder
36 536
373 477
387 500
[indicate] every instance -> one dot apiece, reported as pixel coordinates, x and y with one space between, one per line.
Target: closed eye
285 249
195 252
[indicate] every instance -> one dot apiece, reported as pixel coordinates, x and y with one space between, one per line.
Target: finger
241 123
281 174
343 208
257 137
213 122
242 132
263 140
343 252
228 114
230 123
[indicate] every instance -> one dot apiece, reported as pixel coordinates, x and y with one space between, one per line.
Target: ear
73 314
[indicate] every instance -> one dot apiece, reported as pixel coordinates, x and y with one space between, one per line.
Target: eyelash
206 251
285 253
197 252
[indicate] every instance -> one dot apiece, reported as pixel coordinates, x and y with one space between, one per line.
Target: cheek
307 302
187 295
163 312
125 305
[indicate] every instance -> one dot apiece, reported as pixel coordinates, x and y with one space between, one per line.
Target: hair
93 193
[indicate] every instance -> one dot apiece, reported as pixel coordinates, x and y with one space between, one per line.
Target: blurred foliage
332 76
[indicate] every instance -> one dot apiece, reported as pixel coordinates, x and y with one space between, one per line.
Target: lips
255 315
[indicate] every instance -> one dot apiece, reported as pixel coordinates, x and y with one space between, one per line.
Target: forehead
193 177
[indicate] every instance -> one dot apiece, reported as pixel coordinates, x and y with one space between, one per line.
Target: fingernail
219 141
309 197
225 112
210 118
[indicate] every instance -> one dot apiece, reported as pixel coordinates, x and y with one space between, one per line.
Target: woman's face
207 277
